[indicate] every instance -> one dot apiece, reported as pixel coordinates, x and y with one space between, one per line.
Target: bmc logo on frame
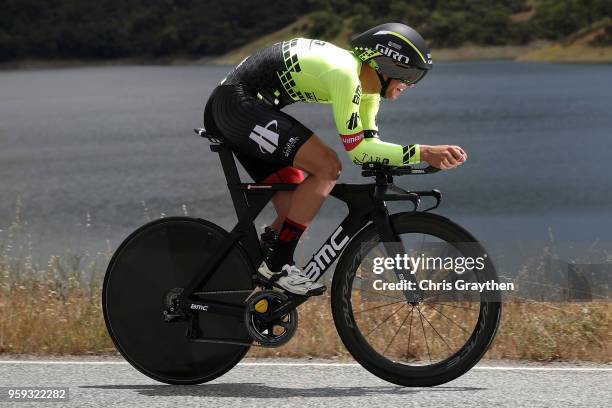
266 138
326 255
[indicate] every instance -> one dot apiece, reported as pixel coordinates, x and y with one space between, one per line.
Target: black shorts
263 138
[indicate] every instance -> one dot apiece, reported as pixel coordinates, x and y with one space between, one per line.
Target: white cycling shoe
292 279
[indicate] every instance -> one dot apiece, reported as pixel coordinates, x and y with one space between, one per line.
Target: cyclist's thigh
264 138
316 156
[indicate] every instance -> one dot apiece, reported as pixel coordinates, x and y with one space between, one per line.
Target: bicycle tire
162 255
362 350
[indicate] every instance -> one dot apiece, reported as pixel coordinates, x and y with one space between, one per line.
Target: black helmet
395 50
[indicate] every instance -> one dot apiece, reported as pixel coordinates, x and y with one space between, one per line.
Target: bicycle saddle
204 133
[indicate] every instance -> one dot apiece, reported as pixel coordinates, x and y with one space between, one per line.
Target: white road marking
500 368
63 362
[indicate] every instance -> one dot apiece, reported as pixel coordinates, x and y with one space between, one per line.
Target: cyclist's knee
330 167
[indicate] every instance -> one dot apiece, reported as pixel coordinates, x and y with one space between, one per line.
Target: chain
223 292
238 343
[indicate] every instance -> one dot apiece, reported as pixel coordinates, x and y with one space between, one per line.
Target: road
301 383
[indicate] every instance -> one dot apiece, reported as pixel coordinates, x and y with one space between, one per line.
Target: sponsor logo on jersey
265 137
289 146
353 121
326 255
351 141
311 96
368 158
357 96
392 53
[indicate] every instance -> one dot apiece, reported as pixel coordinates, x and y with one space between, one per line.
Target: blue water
84 148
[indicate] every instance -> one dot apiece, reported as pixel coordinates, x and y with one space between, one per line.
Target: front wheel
414 337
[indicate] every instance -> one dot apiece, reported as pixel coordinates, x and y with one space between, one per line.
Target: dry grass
38 320
544 331
56 309
538 331
45 319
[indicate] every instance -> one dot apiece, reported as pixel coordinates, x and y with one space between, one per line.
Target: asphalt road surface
300 383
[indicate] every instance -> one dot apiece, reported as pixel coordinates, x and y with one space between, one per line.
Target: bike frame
366 203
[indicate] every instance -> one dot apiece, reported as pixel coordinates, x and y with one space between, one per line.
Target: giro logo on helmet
392 53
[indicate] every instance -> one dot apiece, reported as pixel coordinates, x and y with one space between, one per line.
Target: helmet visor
414 77
395 70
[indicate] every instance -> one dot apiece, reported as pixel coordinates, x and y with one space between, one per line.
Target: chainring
274 333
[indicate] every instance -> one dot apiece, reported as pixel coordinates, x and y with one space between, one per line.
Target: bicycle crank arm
284 309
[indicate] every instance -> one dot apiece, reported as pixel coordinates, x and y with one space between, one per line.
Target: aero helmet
395 50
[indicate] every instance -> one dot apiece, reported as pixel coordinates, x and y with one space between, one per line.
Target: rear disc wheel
155 263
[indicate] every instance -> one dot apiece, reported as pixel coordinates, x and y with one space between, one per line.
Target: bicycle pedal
318 292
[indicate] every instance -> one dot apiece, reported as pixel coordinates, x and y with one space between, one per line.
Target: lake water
91 153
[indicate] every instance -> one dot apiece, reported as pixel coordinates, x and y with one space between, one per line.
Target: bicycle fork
394 247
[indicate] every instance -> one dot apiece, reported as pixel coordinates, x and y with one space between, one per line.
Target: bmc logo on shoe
266 138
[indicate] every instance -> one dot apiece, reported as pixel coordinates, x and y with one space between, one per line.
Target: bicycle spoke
435 295
378 307
410 330
424 335
387 318
381 294
452 321
439 335
398 330
445 304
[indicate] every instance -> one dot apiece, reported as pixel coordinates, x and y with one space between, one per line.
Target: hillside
588 45
114 30
300 28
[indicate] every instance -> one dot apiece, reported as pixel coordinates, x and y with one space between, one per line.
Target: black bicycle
183 303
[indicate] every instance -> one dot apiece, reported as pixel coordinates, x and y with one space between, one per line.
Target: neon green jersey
317 71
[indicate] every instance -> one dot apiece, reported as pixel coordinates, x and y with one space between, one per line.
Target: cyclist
245 111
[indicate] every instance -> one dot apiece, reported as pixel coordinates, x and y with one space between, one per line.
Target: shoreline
535 52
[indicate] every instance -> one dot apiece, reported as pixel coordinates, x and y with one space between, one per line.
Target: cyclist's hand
443 156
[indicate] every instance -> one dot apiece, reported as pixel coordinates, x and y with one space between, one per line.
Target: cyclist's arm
362 146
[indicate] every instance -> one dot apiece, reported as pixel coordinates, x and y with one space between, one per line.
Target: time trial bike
183 302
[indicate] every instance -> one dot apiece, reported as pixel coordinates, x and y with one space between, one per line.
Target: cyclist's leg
282 199
282 202
324 166
266 140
